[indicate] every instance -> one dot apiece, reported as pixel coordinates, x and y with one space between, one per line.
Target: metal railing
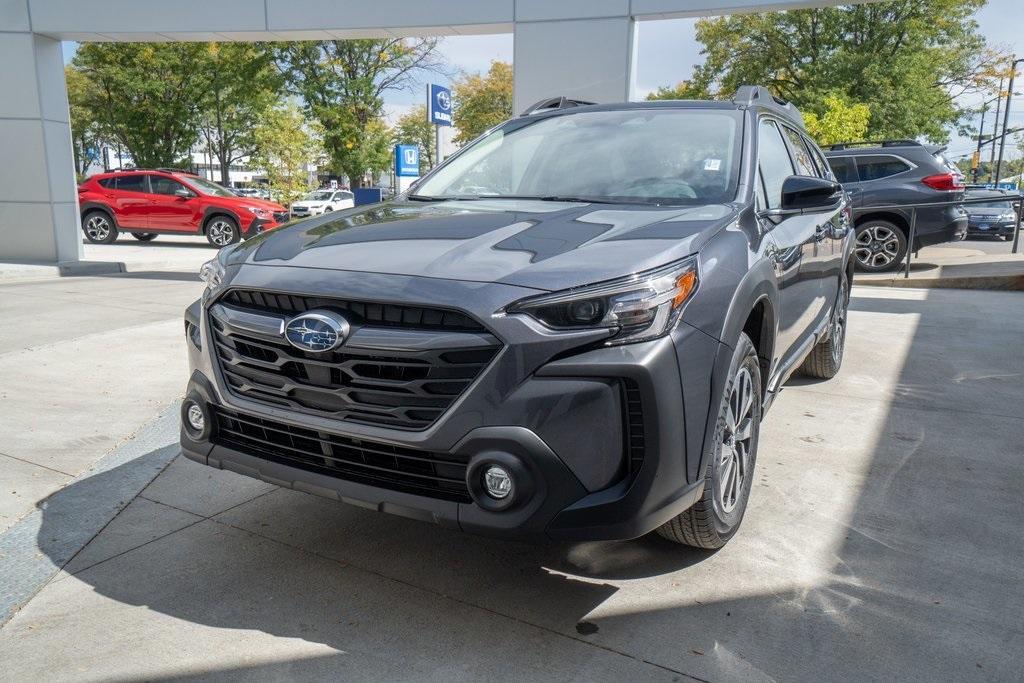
1016 200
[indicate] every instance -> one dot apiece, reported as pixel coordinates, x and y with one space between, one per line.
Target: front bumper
551 403
1002 228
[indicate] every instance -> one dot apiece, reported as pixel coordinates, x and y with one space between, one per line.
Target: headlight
636 308
1008 217
212 272
258 211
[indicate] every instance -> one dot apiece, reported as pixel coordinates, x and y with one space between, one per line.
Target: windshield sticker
712 164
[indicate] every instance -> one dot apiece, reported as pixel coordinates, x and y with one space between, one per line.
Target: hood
310 204
259 203
543 245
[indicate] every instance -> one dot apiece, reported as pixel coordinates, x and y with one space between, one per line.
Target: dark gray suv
569 330
884 179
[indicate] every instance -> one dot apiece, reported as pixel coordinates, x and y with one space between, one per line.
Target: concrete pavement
883 541
976 263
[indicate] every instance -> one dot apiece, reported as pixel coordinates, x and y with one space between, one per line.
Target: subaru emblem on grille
316 331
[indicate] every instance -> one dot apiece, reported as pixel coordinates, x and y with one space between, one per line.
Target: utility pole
981 134
995 131
1006 114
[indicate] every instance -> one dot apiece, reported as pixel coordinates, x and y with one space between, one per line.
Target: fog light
497 482
196 419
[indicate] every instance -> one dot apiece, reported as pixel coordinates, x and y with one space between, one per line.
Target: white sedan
322 201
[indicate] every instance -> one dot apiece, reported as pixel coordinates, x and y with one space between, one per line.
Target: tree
146 96
841 122
86 130
286 145
907 60
413 128
342 83
482 102
243 84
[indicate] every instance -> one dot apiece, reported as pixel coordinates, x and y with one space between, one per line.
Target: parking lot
882 539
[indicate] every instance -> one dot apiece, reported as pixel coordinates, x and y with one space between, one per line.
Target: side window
347 195
824 170
338 196
804 162
165 185
774 162
844 169
109 183
877 167
132 183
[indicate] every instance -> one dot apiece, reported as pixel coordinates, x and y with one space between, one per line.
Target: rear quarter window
878 167
844 169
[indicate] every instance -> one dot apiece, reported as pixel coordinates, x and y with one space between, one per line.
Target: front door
174 206
793 241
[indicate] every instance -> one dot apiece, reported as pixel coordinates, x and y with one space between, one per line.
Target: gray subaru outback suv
885 180
569 330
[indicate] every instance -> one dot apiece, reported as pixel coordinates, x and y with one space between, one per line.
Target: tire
879 246
714 519
328 210
144 236
826 357
222 230
99 227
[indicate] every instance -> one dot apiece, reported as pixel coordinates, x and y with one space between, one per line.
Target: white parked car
322 201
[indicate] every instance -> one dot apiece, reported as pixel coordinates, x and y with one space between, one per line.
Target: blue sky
667 52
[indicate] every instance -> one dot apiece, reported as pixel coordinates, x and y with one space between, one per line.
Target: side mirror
808 194
183 192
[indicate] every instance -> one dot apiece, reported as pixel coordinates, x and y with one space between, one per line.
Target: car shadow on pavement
175 275
883 542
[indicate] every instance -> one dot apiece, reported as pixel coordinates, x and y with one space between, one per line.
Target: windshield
1001 206
319 196
654 156
207 187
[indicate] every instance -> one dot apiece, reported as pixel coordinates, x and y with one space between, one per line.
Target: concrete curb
1012 283
31 554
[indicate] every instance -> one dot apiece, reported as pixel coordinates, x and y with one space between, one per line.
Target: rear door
129 197
169 210
342 200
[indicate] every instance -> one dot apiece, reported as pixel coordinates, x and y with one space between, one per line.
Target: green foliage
86 129
342 83
841 122
243 84
413 128
907 60
684 90
285 144
482 102
144 96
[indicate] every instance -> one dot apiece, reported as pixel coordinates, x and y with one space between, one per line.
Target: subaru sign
439 105
407 161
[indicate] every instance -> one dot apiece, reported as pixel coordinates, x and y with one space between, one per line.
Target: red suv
165 201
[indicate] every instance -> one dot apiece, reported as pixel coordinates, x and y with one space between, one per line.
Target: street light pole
1006 114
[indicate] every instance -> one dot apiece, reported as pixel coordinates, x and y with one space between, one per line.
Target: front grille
376 314
424 473
281 217
407 389
634 425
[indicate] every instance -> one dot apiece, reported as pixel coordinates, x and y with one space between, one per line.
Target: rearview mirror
808 194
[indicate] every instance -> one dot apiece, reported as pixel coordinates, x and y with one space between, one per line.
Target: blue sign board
1005 185
367 195
407 161
439 105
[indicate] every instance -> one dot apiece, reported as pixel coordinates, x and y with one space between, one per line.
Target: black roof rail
876 143
748 95
166 169
554 103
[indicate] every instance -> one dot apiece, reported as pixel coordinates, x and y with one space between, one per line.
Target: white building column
591 56
39 219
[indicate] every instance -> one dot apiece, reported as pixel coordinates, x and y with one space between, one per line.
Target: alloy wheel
877 246
838 332
221 233
97 228
733 462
